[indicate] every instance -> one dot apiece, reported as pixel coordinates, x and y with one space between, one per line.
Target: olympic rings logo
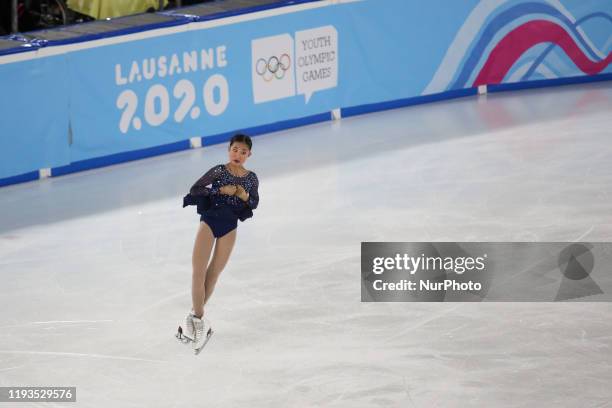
273 67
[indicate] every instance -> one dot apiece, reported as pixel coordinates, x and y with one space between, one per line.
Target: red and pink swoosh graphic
519 40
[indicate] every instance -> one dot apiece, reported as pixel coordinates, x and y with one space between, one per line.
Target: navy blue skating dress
221 211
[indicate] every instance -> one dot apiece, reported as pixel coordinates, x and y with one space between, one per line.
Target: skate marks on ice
65 329
88 355
55 322
350 384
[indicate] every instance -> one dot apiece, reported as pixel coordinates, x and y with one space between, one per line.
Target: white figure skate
195 331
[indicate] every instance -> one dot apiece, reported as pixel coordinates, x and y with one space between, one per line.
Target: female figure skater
225 194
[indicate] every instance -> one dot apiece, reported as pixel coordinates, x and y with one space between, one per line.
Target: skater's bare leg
223 249
201 254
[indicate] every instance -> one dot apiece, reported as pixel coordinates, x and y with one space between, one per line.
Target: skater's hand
229 189
241 193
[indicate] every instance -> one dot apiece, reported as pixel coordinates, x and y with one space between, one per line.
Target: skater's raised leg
202 249
223 250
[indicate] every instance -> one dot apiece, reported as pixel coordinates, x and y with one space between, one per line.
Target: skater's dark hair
239 137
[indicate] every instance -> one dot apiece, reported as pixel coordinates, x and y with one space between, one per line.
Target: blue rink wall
88 104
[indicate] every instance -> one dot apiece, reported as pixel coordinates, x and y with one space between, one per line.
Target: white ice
95 267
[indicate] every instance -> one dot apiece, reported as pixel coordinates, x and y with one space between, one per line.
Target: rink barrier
548 83
20 178
400 103
123 157
97 143
117 158
270 128
461 93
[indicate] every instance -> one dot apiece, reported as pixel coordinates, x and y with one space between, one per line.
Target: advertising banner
34 106
248 71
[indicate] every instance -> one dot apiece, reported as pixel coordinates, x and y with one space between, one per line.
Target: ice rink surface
95 267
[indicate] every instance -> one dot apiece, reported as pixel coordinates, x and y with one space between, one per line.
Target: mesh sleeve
200 187
253 200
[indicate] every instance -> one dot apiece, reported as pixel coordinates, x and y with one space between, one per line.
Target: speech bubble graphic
316 64
272 68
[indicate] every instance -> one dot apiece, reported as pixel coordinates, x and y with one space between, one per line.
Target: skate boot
202 332
188 330
185 331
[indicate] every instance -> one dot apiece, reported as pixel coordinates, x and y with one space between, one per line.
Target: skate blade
197 350
181 337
